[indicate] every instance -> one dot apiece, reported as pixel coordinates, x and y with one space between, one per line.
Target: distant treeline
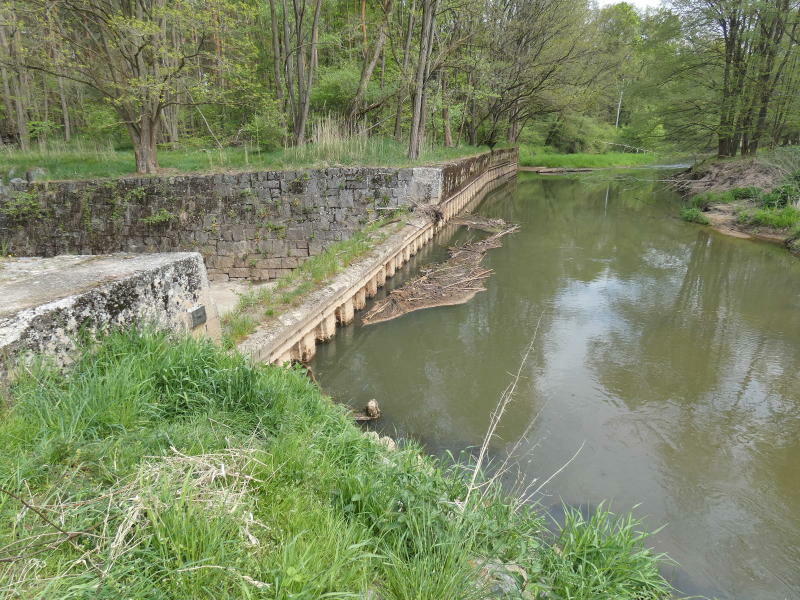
271 73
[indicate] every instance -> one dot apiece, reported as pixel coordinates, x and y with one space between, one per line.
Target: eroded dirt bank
719 176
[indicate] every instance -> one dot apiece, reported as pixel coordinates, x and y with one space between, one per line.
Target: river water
667 353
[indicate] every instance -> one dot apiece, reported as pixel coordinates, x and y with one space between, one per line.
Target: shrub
266 128
706 199
693 215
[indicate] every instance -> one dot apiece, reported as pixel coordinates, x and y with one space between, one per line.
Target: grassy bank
85 161
752 209
537 156
169 468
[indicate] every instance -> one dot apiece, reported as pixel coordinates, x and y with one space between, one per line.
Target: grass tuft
694 215
254 307
787 217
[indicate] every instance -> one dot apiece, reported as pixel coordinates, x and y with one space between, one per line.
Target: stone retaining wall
246 225
294 335
254 225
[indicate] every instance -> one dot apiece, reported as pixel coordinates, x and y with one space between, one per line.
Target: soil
723 175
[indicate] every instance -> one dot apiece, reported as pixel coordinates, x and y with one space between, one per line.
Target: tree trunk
144 135
305 98
398 115
370 62
16 84
448 133
426 40
276 50
64 110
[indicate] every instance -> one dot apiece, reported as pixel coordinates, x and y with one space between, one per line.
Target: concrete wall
254 225
46 302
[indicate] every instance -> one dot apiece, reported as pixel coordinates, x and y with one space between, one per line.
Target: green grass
259 305
704 200
693 215
787 217
534 156
83 161
167 468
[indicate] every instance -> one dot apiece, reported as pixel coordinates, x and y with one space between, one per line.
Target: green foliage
706 199
266 129
782 195
693 215
22 208
190 472
42 129
571 133
787 217
160 217
533 156
746 193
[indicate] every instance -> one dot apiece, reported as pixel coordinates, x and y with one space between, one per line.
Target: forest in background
261 75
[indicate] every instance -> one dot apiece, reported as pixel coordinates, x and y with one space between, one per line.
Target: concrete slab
46 302
226 294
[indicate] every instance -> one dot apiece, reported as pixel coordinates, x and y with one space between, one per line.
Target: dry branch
453 282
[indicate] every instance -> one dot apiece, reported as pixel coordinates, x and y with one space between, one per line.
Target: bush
694 215
266 128
746 193
577 133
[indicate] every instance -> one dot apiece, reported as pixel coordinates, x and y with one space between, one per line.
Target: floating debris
455 281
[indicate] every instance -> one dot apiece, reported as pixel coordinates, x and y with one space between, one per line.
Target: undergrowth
168 468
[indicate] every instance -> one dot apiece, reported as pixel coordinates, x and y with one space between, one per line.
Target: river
667 356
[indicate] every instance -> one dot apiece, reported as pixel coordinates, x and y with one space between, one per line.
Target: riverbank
543 158
167 466
746 198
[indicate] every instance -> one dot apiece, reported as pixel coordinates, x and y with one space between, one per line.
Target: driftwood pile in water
455 281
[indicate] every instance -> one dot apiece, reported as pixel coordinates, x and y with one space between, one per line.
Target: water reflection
671 352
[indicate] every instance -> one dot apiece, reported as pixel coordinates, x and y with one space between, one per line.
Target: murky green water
671 353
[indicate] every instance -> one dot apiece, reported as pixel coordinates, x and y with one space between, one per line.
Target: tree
132 53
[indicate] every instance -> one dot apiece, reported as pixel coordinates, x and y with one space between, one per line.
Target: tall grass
162 467
82 160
